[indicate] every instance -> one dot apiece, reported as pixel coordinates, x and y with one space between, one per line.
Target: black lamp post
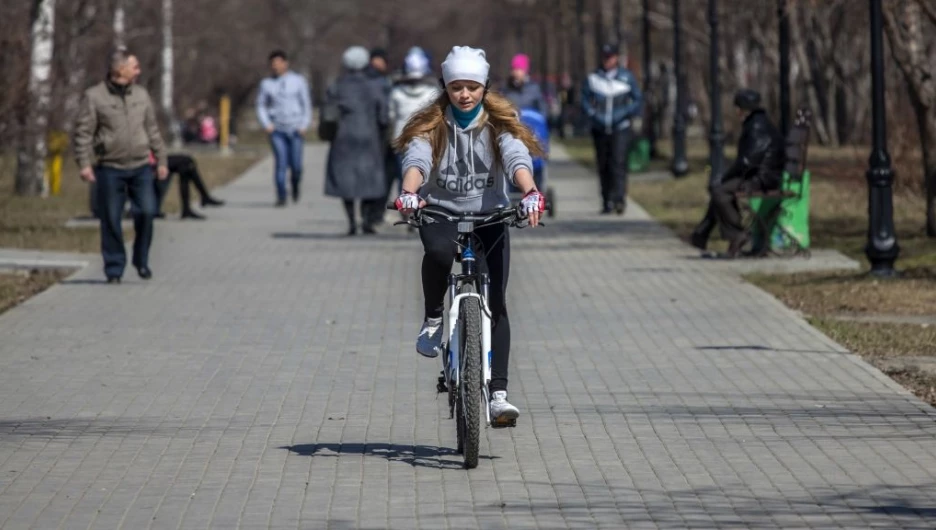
784 67
716 134
680 164
882 248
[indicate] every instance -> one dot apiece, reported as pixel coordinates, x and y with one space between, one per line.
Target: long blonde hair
499 114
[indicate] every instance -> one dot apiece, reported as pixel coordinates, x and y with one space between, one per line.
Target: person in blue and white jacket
611 98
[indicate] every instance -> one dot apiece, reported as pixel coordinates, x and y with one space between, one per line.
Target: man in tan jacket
115 132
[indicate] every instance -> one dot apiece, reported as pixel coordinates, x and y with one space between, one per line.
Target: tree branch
928 9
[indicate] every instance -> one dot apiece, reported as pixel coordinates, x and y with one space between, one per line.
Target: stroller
538 123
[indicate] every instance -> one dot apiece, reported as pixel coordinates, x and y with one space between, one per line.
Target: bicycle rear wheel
468 401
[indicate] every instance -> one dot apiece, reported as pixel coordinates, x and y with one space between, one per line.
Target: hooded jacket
468 179
407 99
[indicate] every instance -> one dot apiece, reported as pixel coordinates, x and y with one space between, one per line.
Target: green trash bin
789 233
638 159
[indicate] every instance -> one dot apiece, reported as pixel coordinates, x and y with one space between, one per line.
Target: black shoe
145 273
369 230
619 207
192 215
698 240
211 201
295 192
606 210
113 279
736 247
280 203
352 231
160 215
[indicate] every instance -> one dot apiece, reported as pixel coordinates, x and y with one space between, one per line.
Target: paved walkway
266 378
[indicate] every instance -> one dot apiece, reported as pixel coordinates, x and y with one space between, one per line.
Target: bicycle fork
453 374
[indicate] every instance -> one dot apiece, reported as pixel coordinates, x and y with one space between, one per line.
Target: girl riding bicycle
460 151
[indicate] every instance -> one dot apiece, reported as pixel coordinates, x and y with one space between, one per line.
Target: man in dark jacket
611 98
758 167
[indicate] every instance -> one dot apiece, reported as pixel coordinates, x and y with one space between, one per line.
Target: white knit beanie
355 58
465 64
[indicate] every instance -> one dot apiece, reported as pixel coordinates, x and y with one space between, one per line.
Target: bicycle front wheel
468 404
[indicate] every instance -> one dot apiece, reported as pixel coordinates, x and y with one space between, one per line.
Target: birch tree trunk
167 73
30 172
120 28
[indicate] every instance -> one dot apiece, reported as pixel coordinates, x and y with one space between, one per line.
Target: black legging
185 166
439 243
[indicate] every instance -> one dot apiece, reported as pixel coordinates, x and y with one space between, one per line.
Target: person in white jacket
413 92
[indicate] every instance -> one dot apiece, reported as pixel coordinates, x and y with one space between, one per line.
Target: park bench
778 220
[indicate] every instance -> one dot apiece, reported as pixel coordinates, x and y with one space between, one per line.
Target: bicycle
466 369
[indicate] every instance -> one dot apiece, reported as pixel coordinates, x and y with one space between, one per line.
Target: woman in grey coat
355 118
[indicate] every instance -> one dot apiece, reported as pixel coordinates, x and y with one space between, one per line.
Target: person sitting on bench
758 167
185 166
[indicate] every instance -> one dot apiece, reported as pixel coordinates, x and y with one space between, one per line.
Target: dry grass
37 223
17 286
874 340
847 292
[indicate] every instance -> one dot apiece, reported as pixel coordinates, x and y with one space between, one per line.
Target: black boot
349 210
295 191
190 214
702 231
208 200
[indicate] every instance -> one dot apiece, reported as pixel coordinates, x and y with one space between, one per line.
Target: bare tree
903 22
30 172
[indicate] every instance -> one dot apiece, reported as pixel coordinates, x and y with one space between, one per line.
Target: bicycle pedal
440 386
500 423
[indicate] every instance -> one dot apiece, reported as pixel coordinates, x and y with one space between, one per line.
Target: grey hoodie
467 179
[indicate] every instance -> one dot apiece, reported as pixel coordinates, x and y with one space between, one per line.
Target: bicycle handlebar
511 213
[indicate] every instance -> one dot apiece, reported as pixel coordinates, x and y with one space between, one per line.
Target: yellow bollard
225 118
57 142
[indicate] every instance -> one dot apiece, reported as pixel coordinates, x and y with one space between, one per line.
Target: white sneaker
501 410
429 341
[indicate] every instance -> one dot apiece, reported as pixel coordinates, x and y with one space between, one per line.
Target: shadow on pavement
414 455
759 347
342 236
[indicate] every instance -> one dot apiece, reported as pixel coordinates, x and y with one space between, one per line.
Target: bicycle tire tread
470 311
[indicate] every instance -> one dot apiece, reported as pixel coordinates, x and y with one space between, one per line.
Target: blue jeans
287 151
114 186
